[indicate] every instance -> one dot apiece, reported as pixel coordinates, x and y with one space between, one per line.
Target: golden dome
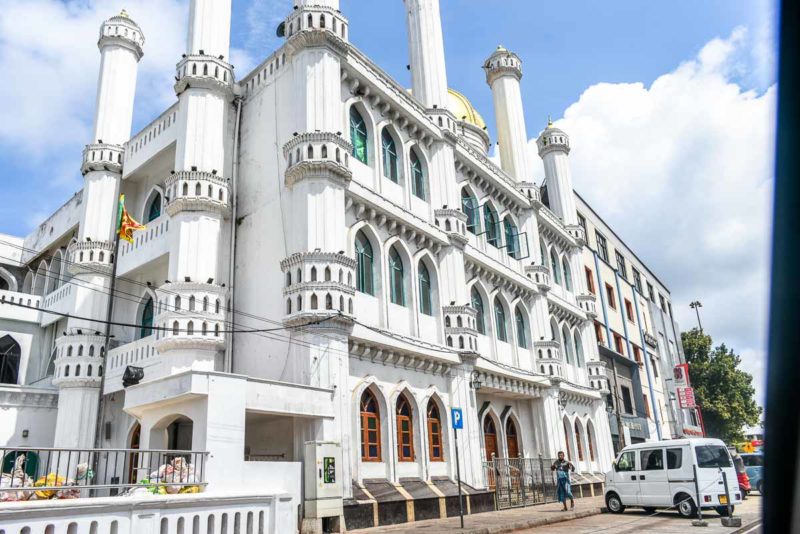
460 106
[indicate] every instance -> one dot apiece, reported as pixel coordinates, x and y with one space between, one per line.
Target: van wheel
685 505
614 503
723 510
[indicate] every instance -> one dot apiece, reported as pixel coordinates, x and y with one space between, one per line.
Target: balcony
153 138
139 353
147 246
8 310
548 357
61 300
588 303
540 275
578 233
598 375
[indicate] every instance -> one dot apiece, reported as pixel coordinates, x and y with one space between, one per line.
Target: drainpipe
232 250
646 363
600 291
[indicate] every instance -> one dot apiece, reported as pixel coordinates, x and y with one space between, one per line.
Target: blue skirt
564 489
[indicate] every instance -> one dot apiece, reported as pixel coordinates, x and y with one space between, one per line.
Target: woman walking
562 468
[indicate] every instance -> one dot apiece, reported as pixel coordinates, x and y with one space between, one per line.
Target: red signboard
681 375
686 398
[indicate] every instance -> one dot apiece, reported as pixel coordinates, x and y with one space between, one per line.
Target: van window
674 458
627 462
712 456
652 460
753 460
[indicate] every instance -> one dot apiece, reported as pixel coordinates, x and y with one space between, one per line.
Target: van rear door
653 484
711 460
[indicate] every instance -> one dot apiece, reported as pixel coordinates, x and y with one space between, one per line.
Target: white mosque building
331 262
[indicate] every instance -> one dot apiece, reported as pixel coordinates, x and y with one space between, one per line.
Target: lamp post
696 305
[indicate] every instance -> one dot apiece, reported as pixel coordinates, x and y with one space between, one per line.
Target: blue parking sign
457 417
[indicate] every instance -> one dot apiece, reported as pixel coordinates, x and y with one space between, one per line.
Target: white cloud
683 169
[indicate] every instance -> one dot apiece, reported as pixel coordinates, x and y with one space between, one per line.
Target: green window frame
480 319
522 334
469 204
500 320
425 292
567 275
365 269
490 220
358 136
389 153
396 288
417 176
146 320
512 238
154 210
578 350
554 267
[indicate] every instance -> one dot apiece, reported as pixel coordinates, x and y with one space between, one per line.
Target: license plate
723 499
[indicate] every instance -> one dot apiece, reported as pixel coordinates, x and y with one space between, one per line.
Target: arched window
146 319
405 431
477 303
543 252
154 209
470 207
358 135
389 154
10 355
511 439
370 428
578 442
489 438
578 350
554 267
425 294
435 449
365 277
522 334
490 222
396 289
417 176
568 437
512 238
566 345
500 320
567 275
590 440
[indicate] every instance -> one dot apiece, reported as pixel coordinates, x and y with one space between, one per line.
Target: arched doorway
489 438
511 439
10 354
133 458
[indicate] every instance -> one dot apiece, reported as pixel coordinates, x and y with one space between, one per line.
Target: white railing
151 140
164 514
148 245
139 353
8 310
60 300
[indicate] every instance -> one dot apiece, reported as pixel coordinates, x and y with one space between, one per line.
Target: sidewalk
496 522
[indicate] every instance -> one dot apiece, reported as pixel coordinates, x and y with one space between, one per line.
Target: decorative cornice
324 169
187 199
205 72
103 157
90 257
15 396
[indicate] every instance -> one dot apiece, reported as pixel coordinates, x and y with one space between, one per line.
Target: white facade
326 258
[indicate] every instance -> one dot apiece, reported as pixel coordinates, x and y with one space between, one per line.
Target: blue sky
669 105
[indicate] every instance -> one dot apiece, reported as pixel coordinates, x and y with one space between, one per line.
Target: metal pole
458 480
699 521
727 494
544 483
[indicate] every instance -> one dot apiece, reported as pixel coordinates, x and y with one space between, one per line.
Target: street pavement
661 523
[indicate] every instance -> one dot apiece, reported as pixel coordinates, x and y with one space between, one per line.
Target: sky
670 108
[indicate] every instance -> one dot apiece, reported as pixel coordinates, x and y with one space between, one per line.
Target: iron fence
44 473
520 481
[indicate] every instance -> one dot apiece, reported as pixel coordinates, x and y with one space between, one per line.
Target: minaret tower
426 47
193 303
554 150
503 74
79 353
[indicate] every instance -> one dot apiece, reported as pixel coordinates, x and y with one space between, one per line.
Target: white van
660 474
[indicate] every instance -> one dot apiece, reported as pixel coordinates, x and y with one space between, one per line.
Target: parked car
661 474
754 465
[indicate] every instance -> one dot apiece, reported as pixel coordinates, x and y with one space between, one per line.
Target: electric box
323 479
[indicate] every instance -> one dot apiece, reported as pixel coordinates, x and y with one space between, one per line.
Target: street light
696 305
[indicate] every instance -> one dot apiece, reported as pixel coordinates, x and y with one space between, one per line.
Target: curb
532 523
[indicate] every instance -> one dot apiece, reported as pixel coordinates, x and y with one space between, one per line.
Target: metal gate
520 481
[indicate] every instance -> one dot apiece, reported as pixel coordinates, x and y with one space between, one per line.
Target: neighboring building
327 258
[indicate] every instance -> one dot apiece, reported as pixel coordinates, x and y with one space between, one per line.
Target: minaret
503 74
79 353
426 49
554 150
194 301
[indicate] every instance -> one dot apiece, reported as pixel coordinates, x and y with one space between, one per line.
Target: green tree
724 392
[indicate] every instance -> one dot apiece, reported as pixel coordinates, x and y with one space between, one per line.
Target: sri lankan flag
125 223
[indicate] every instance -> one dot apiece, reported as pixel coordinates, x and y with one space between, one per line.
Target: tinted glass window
712 456
627 462
652 460
753 460
674 458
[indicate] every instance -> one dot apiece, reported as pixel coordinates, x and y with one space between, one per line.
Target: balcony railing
52 473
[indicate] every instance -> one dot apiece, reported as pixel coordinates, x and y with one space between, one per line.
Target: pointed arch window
500 320
470 207
489 438
491 224
435 449
578 350
522 334
405 431
365 272
477 303
10 355
425 290
512 238
590 440
568 436
578 441
417 176
511 439
396 289
554 266
154 209
566 345
370 428
567 274
146 319
389 153
358 135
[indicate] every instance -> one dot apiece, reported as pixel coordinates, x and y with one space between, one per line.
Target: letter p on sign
457 417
